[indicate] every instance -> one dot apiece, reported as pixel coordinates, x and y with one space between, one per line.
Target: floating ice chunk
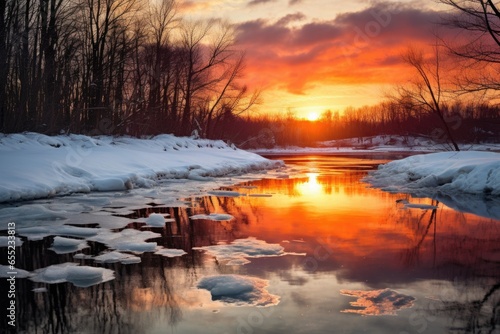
81 276
114 256
63 245
420 206
377 302
239 250
224 193
5 241
213 216
239 290
128 240
156 220
6 271
170 252
38 233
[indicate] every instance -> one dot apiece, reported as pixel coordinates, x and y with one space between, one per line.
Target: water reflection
436 269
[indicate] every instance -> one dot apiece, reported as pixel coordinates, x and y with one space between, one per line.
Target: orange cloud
354 48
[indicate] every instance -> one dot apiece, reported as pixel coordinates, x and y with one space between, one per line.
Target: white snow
114 256
376 144
213 216
62 245
156 220
170 252
239 290
5 271
127 240
80 276
237 252
224 193
445 172
377 302
38 166
13 241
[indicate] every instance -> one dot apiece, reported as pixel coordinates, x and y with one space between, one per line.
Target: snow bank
38 166
375 144
239 290
377 302
446 172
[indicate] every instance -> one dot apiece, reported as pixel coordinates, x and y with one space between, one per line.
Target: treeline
469 123
115 67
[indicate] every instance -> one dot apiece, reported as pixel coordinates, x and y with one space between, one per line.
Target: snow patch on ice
239 290
170 252
114 256
6 271
62 245
377 302
213 216
128 240
238 251
80 276
5 241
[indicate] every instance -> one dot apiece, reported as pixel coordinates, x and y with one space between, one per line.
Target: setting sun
312 116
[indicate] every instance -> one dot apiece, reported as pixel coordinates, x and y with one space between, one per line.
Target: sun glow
312 116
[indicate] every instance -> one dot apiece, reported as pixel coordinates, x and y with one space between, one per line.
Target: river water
319 252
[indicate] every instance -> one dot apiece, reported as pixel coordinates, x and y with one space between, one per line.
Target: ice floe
7 271
80 276
115 256
213 216
127 240
62 245
13 241
170 252
238 251
239 290
377 302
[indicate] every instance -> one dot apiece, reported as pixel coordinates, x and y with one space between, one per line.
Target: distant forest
103 67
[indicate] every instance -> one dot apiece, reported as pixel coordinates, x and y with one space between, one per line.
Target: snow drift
38 166
446 172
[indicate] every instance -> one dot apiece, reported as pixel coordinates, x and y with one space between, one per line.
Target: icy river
309 249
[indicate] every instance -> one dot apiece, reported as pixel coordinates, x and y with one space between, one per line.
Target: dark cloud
259 2
290 18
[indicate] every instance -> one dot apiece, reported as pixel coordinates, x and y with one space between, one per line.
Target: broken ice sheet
377 302
62 245
239 290
237 252
169 252
128 240
114 256
80 276
213 216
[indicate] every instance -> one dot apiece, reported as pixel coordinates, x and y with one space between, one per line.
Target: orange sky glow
310 56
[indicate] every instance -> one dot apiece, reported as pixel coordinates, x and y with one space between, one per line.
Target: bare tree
426 92
479 43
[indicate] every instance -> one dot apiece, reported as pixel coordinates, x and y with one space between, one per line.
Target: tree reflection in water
369 236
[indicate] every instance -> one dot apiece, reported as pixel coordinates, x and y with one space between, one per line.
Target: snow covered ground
38 166
458 179
376 144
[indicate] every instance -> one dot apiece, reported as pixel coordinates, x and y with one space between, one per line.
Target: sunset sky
315 55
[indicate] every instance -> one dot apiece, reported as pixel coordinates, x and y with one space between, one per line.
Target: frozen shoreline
38 166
